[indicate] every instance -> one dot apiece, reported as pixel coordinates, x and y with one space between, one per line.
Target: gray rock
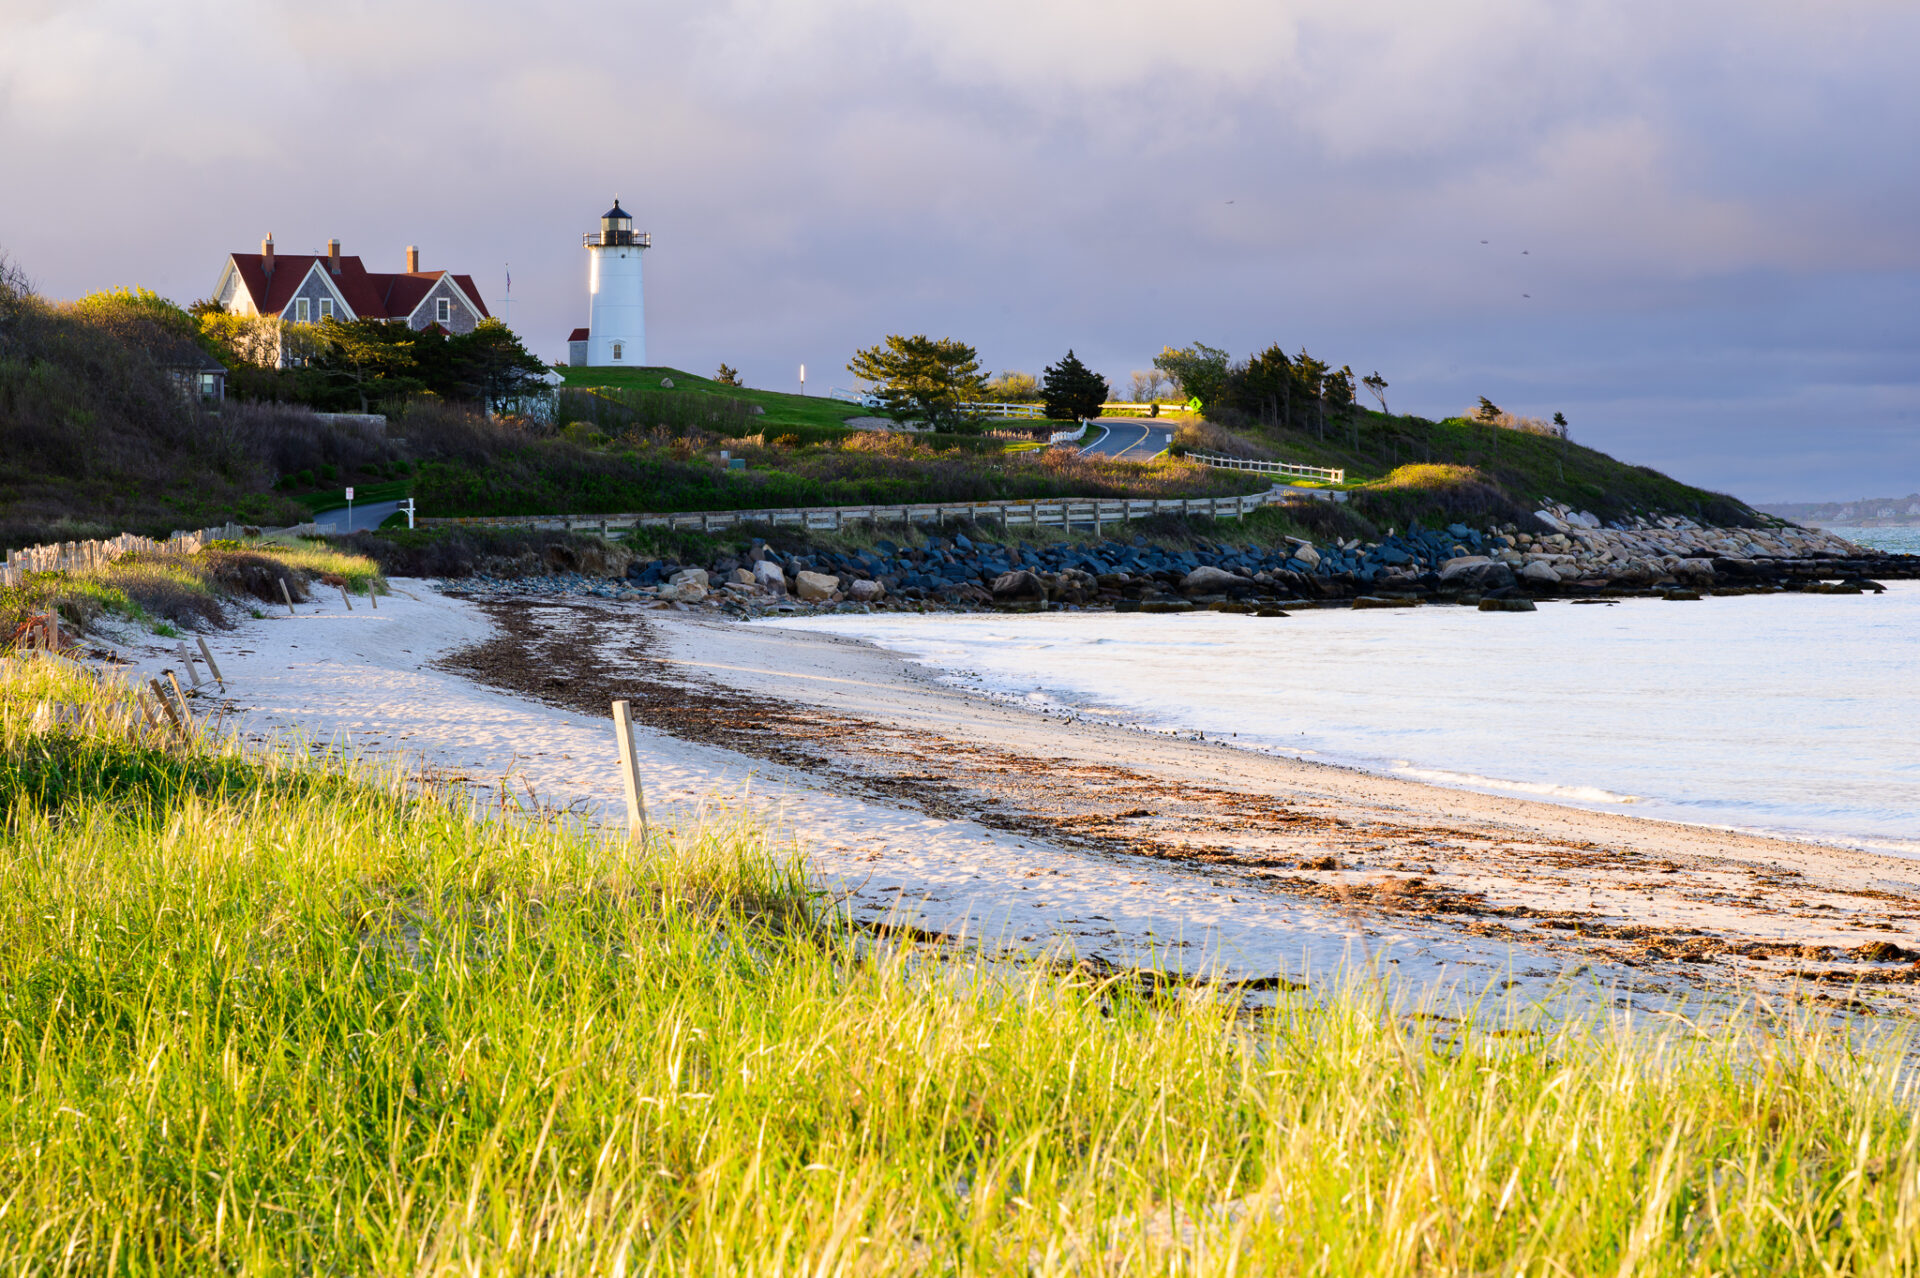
1475 572
698 576
1208 580
1018 584
1540 574
1516 603
865 591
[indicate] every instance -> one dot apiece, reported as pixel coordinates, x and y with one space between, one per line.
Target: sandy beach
913 800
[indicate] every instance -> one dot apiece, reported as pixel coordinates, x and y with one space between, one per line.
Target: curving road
1134 440
367 515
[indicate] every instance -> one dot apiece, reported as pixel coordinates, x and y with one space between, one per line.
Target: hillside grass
266 1015
1403 467
781 408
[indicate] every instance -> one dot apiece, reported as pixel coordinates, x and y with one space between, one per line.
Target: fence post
343 597
206 654
630 770
284 595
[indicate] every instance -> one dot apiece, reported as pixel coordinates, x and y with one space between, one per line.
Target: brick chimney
413 260
266 255
333 256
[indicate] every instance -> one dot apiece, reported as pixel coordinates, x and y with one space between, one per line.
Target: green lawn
782 409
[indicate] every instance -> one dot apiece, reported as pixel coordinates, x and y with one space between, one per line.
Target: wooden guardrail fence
1058 513
1329 474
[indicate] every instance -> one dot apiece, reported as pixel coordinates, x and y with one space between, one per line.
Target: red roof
577 335
370 295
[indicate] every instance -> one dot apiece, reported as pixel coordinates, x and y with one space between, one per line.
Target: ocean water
1905 540
1796 715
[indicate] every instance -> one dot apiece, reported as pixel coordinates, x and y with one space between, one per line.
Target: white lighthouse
617 318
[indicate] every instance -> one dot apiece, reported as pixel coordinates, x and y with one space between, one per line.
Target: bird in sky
1483 241
1523 253
1526 295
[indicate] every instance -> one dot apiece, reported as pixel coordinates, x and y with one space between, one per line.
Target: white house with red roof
305 288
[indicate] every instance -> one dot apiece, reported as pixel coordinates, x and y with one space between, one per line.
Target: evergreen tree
727 376
1070 390
919 378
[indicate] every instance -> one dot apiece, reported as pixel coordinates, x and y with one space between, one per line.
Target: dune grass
169 593
275 1016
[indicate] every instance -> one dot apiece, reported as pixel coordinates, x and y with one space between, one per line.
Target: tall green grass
272 1016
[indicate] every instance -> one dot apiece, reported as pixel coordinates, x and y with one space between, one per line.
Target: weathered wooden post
206 654
284 595
630 770
344 597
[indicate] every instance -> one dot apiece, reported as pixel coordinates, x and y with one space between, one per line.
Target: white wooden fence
84 556
1068 436
1270 468
1077 511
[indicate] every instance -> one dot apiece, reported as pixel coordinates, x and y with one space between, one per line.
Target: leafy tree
242 339
920 378
727 376
1014 387
490 365
370 358
1488 412
1070 390
1199 370
136 315
1560 420
1376 386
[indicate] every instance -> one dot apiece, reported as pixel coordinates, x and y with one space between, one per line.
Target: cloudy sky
1690 227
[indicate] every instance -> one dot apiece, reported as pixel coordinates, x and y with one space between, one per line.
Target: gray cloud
1714 199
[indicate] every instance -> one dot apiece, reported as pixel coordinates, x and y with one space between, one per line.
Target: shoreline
913 801
1570 885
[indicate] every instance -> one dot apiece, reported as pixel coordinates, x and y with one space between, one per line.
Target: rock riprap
1562 552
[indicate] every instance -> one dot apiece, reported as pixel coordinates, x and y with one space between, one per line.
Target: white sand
365 680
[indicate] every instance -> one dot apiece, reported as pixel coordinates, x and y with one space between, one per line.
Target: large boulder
1539 574
769 576
1018 584
1475 572
1208 580
688 591
867 591
1307 555
815 586
695 576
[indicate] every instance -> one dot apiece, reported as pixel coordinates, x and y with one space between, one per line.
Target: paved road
1133 440
367 515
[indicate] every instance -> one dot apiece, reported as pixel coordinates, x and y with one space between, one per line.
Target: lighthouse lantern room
616 320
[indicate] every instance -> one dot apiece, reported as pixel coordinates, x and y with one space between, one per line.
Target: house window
326 308
616 350
443 310
300 313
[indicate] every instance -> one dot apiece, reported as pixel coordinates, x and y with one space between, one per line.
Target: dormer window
443 310
301 313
